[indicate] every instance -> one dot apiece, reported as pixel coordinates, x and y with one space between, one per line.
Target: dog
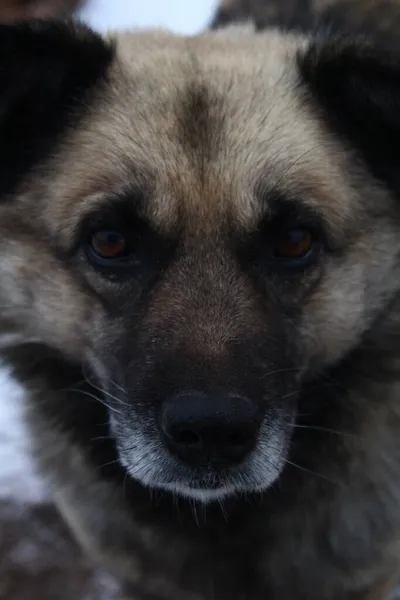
199 292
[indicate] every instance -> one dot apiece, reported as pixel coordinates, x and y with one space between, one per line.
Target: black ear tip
41 37
348 53
322 51
48 72
55 47
354 81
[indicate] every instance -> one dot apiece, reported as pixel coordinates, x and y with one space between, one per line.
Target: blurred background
182 16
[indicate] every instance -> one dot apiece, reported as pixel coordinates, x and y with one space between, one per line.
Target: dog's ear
47 70
357 84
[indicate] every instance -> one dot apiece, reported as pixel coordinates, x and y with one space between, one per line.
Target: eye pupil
293 244
109 244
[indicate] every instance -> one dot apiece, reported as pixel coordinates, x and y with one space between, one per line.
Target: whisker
101 438
102 390
115 384
223 510
278 371
193 505
293 464
324 430
289 395
111 462
94 397
106 393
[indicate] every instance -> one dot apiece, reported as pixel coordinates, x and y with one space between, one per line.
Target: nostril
202 429
185 437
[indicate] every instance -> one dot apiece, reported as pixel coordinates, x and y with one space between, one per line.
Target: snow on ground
181 16
17 476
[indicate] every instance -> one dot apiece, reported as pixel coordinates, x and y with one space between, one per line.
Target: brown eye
109 244
293 244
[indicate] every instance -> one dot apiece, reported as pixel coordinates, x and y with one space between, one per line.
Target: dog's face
197 224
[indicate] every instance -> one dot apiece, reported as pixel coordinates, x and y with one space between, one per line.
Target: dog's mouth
205 471
203 436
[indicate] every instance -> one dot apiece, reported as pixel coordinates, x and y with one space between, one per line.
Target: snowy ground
17 478
181 16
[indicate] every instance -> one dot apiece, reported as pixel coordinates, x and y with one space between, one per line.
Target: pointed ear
357 84
47 72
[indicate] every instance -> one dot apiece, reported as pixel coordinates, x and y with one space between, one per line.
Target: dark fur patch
375 17
289 14
200 119
358 85
195 117
47 70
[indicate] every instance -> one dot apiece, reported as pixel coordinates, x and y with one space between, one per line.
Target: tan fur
245 146
229 179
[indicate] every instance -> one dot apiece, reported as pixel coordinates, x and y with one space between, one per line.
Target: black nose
201 429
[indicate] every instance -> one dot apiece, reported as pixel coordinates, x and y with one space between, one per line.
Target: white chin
155 469
201 495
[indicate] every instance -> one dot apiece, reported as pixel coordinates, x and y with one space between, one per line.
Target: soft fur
200 149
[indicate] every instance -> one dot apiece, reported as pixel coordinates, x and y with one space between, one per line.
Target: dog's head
205 224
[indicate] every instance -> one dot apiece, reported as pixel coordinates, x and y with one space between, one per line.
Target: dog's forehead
203 122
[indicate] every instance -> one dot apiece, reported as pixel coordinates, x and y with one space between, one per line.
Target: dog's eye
293 243
295 247
109 244
111 251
